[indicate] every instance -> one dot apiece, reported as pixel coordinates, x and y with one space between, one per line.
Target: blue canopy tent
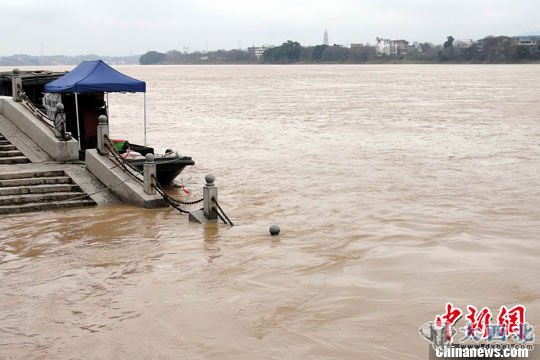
96 77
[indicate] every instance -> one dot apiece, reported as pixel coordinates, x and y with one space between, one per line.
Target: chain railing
58 123
119 160
29 105
222 215
160 188
175 203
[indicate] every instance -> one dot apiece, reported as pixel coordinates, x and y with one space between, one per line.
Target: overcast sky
122 27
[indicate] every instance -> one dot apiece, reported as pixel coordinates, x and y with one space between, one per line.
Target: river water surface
397 189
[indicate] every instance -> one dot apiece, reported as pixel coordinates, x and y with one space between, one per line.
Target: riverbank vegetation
499 49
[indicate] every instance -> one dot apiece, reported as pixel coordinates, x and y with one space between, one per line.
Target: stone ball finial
149 158
102 120
59 107
16 71
274 230
210 179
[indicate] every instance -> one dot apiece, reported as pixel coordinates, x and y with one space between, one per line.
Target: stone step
41 198
14 160
2 137
11 209
10 153
7 147
36 181
40 189
32 174
4 142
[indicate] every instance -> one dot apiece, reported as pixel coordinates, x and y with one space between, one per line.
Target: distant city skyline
133 27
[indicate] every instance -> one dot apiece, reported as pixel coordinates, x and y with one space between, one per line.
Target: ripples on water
397 188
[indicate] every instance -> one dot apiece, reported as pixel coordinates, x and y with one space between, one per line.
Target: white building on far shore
258 51
391 47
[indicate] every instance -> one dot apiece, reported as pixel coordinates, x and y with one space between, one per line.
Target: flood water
397 189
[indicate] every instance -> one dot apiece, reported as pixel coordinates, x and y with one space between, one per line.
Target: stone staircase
40 190
9 154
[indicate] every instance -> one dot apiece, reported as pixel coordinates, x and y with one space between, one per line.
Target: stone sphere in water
274 230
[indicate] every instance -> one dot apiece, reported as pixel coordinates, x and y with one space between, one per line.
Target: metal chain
175 203
167 198
221 217
29 105
176 206
223 212
158 186
120 161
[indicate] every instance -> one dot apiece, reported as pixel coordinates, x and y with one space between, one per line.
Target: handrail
29 105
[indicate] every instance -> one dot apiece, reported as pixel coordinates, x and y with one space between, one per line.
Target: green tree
152 57
335 54
449 43
447 52
288 52
362 54
425 47
318 51
499 49
523 52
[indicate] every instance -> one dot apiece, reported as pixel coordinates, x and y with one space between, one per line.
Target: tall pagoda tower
325 38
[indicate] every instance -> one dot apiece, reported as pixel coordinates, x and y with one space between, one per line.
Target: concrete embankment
125 186
39 132
39 172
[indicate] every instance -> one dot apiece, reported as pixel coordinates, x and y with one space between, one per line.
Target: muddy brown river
397 189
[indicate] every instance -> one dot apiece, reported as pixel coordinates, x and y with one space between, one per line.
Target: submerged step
41 198
11 209
39 189
10 153
36 181
14 160
32 174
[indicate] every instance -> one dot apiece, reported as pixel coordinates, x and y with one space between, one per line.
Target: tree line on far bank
499 49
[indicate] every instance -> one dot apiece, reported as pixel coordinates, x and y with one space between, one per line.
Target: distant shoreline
490 50
387 61
530 62
537 62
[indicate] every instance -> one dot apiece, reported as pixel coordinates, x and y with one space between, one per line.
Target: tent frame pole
144 118
78 126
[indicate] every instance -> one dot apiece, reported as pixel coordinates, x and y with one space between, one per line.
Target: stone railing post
16 85
60 123
210 192
209 211
149 172
102 132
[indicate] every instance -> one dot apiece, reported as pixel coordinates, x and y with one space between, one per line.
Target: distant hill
30 60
